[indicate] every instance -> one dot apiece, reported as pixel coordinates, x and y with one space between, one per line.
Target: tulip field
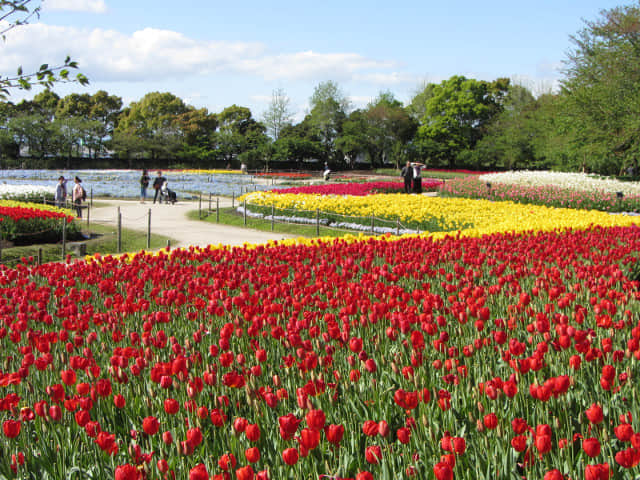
481 354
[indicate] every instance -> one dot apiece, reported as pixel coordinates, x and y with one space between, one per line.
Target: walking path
172 221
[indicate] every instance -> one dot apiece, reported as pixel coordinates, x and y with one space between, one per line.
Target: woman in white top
78 196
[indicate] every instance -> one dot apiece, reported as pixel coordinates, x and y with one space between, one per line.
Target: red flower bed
26 213
26 225
357 189
461 358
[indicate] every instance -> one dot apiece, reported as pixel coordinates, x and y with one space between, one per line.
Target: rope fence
209 205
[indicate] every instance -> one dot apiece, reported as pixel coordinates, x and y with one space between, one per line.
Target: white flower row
8 192
324 222
574 181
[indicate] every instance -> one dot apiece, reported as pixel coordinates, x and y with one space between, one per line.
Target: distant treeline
591 123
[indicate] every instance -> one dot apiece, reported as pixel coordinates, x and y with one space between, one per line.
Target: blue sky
214 54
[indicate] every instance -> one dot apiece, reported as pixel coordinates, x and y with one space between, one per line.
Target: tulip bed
508 355
587 196
433 214
27 223
357 189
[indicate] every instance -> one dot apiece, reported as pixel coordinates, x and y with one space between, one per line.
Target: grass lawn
103 240
228 216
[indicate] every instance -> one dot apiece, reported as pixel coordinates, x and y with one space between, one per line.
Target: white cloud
154 54
93 6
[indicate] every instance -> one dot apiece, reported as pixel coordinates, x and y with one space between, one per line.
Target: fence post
372 224
39 256
233 199
217 209
64 238
168 245
91 196
88 215
149 230
398 226
244 211
273 214
317 222
209 203
199 206
119 233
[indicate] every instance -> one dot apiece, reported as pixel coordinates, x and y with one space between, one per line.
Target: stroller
168 195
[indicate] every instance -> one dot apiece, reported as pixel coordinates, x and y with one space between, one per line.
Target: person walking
417 176
78 196
157 185
407 174
144 184
61 192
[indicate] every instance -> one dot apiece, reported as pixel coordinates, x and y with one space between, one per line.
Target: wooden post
233 199
88 215
217 209
199 206
244 211
119 233
39 256
209 203
273 214
372 224
64 238
91 196
149 230
398 226
317 222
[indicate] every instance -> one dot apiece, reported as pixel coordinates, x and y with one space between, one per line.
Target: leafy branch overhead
17 13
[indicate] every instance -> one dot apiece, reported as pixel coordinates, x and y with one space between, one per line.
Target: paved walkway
172 221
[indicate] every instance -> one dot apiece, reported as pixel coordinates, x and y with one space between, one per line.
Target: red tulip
11 428
594 413
490 421
199 472
245 473
373 454
315 419
127 472
252 454
591 447
334 433
443 471
150 425
290 456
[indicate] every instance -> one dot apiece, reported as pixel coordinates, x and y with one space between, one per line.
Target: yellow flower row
35 206
483 216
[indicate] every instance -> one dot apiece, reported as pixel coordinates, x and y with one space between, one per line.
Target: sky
214 54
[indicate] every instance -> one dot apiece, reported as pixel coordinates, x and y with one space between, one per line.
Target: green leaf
20 70
44 66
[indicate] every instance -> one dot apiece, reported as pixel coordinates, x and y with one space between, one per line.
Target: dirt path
172 221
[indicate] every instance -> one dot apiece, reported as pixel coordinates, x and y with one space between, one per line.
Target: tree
456 116
601 90
389 129
20 12
153 120
329 108
278 115
239 132
509 140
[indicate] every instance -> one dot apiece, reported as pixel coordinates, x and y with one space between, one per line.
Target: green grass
104 241
228 216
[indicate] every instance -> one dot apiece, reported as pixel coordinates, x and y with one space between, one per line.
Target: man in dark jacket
407 174
157 185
